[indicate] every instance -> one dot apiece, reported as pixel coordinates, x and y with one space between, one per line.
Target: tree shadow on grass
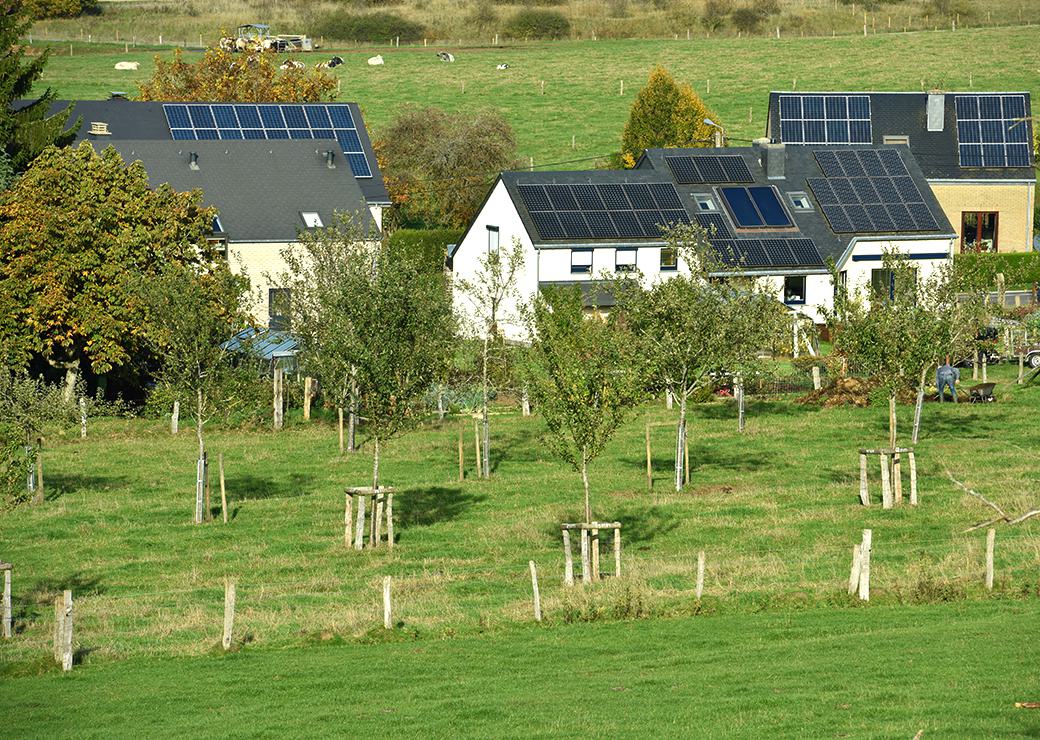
639 526
970 424
422 507
517 446
30 605
246 487
727 411
56 485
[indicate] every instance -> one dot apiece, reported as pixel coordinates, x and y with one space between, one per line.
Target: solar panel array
868 191
691 170
603 211
274 121
825 119
993 131
761 253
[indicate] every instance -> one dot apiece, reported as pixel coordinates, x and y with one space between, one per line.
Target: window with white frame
800 201
624 260
581 261
492 232
794 290
311 219
669 260
705 203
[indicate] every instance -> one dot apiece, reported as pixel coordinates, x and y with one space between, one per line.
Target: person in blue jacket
947 376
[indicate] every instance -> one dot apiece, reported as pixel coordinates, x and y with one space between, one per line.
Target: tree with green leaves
693 330
665 113
365 309
492 286
28 127
79 233
26 405
585 374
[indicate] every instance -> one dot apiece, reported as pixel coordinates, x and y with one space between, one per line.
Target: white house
784 214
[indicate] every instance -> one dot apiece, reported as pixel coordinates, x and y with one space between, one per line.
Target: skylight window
311 220
705 203
800 201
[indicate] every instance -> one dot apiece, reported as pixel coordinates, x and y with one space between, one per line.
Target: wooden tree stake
897 477
390 521
66 632
476 444
339 411
279 408
568 560
617 552
307 391
854 573
864 565
913 478
388 621
864 496
82 417
991 541
200 486
534 588
586 571
59 627
39 470
348 518
175 417
229 614
686 457
223 490
377 520
886 488
700 575
595 554
7 600
359 530
816 378
649 469
462 458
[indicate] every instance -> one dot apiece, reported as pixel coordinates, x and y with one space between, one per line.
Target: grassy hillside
776 510
581 100
949 671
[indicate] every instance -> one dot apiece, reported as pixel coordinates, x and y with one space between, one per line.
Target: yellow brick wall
263 264
1014 203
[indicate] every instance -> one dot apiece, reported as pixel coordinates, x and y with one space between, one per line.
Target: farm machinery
254 37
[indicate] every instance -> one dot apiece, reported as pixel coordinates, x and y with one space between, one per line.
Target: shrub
715 13
746 19
379 27
538 24
62 8
427 245
1021 270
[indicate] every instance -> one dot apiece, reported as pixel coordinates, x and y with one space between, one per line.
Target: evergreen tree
25 130
665 114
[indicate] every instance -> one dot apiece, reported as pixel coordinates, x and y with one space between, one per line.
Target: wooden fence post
223 490
307 384
6 567
864 496
595 554
339 412
534 588
390 521
864 565
348 518
886 487
82 417
279 410
175 417
229 613
66 632
359 528
649 469
388 622
568 560
586 571
991 540
700 575
854 573
913 477
816 378
617 552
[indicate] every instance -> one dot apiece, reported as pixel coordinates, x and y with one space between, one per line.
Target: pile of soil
842 392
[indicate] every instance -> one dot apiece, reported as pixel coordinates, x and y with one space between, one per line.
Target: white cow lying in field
292 64
128 66
375 61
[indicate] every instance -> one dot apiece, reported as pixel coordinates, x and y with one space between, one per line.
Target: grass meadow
579 118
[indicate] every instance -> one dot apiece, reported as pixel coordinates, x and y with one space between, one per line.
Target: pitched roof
259 187
799 239
935 143
146 121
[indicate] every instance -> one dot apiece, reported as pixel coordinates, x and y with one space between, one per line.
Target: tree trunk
680 443
892 420
352 417
585 485
375 466
485 422
71 368
198 423
920 404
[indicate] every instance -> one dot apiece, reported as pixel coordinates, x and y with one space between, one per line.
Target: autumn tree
692 331
224 76
585 374
486 293
26 129
438 165
79 232
361 307
665 113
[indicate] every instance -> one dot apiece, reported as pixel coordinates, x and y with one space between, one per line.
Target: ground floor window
581 261
978 231
794 290
884 282
278 309
624 260
668 259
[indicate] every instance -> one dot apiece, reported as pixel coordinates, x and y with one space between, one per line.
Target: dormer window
311 220
218 228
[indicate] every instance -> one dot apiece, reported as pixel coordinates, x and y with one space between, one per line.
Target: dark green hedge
1020 269
379 27
532 23
428 245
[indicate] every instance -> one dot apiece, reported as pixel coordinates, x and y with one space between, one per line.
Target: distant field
948 671
582 97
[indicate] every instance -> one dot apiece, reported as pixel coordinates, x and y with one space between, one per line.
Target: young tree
390 322
79 233
26 405
585 374
665 114
692 330
28 129
493 285
438 165
241 78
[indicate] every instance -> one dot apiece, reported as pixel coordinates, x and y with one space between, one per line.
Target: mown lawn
953 670
582 97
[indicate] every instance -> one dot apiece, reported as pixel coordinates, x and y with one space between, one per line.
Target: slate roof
906 114
145 120
259 187
800 164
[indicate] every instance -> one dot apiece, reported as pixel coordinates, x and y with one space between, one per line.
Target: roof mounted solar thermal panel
993 131
825 119
742 208
769 206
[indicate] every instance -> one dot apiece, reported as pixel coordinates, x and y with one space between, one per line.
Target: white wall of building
263 264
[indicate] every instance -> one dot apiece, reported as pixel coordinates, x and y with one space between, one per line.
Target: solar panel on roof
993 131
769 206
675 217
639 196
683 169
587 197
741 207
715 224
665 196
613 197
805 251
736 169
849 160
836 217
574 225
825 119
652 223
627 224
548 225
709 168
829 163
270 121
561 197
600 224
755 207
779 252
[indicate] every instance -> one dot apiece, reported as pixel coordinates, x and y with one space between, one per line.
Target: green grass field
951 671
582 79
